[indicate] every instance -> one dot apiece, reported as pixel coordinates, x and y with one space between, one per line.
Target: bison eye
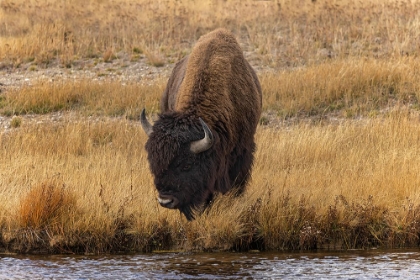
186 167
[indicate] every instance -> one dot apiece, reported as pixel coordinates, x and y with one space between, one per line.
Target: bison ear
204 144
147 127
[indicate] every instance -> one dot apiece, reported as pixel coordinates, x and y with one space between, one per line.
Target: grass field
338 146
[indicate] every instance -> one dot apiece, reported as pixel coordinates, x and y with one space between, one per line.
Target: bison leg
240 170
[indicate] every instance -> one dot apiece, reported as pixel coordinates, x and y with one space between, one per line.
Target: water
321 265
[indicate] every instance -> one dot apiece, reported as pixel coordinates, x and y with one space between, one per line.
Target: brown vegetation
346 185
280 32
338 145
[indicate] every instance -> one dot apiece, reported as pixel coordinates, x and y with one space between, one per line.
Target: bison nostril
168 201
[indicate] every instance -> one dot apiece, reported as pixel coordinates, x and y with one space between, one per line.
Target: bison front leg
240 170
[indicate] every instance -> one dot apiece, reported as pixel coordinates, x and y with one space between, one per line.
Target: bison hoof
168 201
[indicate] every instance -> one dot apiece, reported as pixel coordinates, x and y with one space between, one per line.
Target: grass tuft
46 205
155 60
15 122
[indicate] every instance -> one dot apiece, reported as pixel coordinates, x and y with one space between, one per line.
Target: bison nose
168 201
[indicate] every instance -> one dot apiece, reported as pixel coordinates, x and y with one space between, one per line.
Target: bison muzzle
203 141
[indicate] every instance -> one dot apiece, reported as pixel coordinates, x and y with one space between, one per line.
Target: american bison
203 141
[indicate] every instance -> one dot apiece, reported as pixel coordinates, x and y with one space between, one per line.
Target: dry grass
111 98
348 87
284 33
346 185
353 183
81 154
45 205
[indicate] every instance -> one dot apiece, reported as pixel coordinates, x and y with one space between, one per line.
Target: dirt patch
120 68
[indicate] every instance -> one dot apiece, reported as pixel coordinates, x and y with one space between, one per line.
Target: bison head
179 154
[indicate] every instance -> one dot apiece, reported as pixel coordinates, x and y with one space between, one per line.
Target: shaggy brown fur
214 83
215 70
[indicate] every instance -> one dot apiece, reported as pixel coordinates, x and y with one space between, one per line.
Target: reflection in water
321 265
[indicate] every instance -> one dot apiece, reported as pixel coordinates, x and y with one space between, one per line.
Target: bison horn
147 127
205 143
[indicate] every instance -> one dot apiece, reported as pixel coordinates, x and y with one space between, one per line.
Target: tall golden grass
80 183
283 32
111 98
84 186
348 87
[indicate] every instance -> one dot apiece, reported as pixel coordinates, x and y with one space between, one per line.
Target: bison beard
203 140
